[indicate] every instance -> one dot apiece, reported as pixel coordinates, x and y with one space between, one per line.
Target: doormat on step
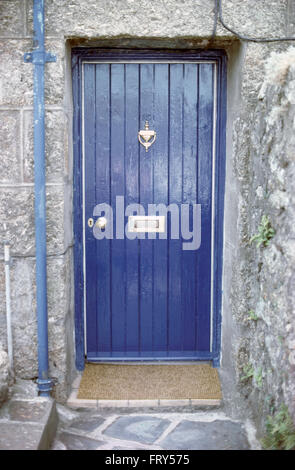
148 382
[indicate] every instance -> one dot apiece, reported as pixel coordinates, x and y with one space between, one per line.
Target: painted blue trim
38 57
219 207
80 55
150 356
151 359
78 218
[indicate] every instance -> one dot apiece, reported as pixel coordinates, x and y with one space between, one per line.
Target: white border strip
212 178
83 210
213 205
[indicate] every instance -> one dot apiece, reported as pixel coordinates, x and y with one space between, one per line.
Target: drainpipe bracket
39 57
45 386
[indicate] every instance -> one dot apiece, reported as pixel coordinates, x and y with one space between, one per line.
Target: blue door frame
81 56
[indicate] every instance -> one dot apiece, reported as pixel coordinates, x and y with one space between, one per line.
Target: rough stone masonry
260 171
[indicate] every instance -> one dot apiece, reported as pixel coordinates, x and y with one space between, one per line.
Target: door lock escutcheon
100 223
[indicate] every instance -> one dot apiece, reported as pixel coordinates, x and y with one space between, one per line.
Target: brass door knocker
146 136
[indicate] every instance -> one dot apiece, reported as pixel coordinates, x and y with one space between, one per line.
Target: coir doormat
147 382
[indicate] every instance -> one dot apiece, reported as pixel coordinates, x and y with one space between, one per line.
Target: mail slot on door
148 223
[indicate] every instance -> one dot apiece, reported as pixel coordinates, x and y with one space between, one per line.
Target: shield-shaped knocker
146 136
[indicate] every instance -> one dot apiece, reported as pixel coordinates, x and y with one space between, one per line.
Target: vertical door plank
118 257
146 192
160 252
132 197
89 166
175 197
189 197
102 180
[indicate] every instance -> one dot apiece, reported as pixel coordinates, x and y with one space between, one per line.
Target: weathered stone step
28 424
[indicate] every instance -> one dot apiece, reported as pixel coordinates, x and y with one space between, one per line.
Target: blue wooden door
148 298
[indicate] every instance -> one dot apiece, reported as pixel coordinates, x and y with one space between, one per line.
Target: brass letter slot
149 223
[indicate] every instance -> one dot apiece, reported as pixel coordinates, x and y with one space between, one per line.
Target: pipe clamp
45 385
39 57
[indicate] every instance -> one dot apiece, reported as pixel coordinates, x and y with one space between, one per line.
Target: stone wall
17 199
256 347
141 23
266 349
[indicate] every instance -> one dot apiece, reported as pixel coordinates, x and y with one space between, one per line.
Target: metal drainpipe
39 57
7 261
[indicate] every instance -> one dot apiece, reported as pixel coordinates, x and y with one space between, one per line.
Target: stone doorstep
29 424
75 402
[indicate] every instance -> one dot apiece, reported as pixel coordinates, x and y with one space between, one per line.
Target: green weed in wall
265 232
248 370
280 431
